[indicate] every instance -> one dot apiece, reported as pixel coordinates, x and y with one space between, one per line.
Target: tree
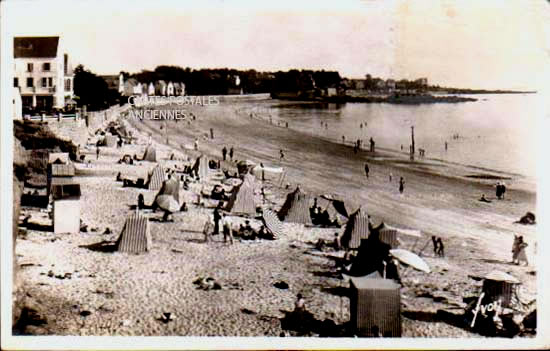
92 90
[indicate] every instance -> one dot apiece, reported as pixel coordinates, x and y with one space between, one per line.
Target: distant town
45 82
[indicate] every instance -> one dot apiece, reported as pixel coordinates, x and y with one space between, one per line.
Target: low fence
59 117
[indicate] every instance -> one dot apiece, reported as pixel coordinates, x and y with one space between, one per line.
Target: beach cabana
200 167
171 187
375 307
150 154
135 236
58 157
242 200
296 208
500 286
66 208
356 229
156 178
59 174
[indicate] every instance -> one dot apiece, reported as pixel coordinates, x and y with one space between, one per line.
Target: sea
496 132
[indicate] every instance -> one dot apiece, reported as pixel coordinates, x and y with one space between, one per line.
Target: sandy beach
127 294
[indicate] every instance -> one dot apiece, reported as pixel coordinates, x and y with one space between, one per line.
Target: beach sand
126 294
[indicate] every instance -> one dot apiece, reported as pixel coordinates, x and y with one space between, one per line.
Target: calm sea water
496 132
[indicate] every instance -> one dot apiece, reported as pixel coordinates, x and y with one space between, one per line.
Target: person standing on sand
518 250
440 248
224 153
281 154
231 153
211 133
343 139
97 152
391 176
401 185
227 231
206 230
217 218
446 145
367 170
196 143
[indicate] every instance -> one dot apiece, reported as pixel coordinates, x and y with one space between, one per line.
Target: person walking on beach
446 145
401 185
211 133
97 152
224 153
282 154
231 153
196 143
371 141
391 176
367 170
343 139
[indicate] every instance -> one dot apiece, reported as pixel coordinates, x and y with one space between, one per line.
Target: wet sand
126 294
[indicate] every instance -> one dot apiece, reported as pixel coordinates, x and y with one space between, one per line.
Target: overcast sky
463 43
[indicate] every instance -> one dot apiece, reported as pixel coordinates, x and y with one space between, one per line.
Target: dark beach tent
338 204
328 205
272 223
375 307
242 200
135 236
201 167
499 285
356 229
387 235
150 154
296 208
156 178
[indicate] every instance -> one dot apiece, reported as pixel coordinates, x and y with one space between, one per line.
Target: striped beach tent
356 229
150 154
135 236
242 198
272 222
156 178
296 208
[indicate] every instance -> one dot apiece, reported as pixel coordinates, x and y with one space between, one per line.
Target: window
30 83
67 85
29 67
50 82
15 82
46 66
44 82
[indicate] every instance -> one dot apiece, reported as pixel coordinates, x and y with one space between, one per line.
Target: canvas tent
156 178
332 207
135 236
59 157
356 229
171 187
201 167
242 198
150 154
296 208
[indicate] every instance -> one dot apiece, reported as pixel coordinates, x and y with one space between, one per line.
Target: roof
65 191
363 283
59 170
35 47
501 276
58 157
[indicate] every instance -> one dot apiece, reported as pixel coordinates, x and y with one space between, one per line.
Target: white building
42 72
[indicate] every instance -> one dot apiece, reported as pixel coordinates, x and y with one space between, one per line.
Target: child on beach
227 231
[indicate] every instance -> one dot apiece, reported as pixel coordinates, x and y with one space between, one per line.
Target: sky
461 43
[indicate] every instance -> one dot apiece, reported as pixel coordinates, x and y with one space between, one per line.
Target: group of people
321 217
500 190
224 153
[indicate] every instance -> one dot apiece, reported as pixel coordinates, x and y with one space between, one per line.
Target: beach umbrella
272 222
167 203
410 259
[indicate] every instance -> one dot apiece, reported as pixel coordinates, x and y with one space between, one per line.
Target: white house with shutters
42 74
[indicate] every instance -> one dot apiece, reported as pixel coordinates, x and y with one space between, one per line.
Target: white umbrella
410 259
167 203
